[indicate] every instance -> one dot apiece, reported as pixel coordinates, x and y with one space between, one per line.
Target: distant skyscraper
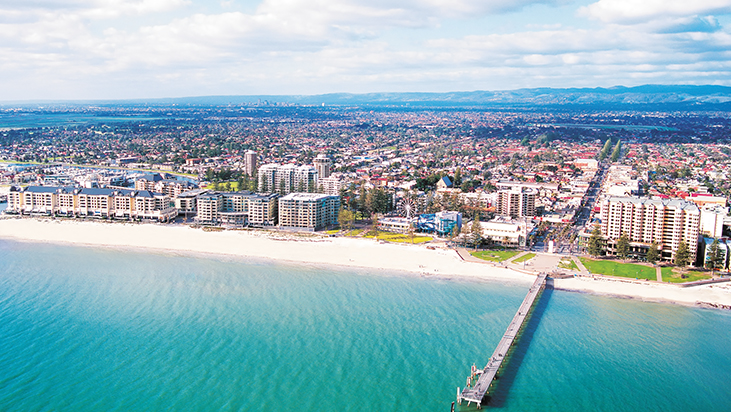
250 162
322 164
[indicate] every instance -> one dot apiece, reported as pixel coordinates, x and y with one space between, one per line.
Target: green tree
264 186
617 151
605 150
346 218
682 255
595 242
457 178
283 187
653 253
715 256
378 201
623 246
476 232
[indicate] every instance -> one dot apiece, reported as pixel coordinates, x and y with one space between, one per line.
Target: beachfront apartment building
668 222
308 211
237 209
90 202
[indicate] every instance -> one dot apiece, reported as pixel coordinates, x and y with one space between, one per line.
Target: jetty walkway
486 376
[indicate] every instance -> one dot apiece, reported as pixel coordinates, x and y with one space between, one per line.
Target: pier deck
488 374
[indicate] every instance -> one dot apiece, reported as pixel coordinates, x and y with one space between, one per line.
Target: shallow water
87 329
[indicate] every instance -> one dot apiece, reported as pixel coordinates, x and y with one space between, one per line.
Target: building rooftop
305 196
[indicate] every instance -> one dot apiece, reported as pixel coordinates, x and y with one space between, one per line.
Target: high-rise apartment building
668 222
516 202
322 164
308 211
250 162
236 208
284 179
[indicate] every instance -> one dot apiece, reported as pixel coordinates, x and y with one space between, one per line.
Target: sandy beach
348 252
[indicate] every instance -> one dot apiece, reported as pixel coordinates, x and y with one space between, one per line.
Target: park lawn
524 258
398 237
495 255
614 268
333 232
568 264
355 232
672 275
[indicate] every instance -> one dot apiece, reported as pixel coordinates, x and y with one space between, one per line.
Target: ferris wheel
406 207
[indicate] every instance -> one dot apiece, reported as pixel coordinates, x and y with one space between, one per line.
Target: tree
282 187
264 186
682 255
623 246
595 242
454 233
457 178
346 218
653 253
617 151
476 232
715 257
605 150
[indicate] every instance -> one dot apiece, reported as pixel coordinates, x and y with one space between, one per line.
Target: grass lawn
333 232
398 237
614 268
524 258
355 232
495 255
568 264
672 275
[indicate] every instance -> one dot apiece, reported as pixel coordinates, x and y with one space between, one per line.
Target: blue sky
108 49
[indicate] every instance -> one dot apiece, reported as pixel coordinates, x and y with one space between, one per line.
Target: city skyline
93 49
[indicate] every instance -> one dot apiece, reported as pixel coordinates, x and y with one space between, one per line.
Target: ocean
97 329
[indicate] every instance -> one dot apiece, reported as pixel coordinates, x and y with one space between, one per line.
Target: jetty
486 377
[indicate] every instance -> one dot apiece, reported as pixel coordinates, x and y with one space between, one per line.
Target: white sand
363 253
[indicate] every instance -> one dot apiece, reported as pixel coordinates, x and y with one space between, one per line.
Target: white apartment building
516 202
665 221
287 178
236 208
308 211
86 202
330 185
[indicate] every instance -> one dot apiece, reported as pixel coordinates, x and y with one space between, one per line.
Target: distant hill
648 96
613 96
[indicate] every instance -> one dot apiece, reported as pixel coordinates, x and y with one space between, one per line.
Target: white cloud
116 48
634 11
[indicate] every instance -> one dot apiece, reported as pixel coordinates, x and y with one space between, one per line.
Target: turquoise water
88 329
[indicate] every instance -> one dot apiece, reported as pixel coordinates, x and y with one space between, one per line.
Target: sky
121 49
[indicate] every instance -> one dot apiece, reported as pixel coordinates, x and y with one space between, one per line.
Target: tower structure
250 162
322 164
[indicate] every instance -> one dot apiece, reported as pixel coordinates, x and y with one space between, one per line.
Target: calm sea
85 329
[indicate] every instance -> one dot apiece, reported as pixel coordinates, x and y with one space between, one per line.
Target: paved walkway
515 257
581 266
659 273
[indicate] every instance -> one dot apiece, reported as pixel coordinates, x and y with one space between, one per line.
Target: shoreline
342 252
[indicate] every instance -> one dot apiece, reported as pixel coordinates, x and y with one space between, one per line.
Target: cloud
632 11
